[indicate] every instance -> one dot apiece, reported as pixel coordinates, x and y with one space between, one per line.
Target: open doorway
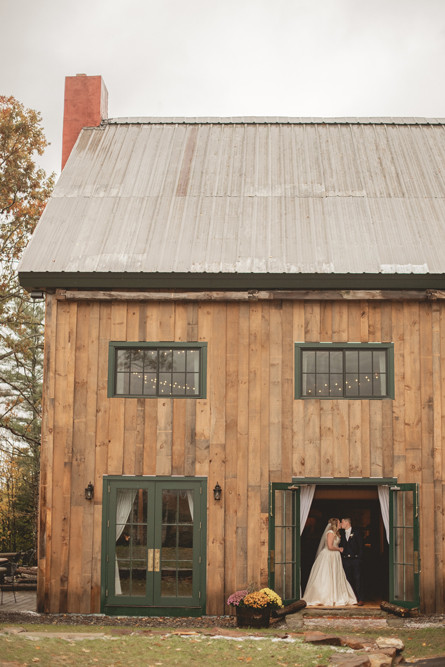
362 505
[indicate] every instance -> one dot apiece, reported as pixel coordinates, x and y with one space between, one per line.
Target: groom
352 543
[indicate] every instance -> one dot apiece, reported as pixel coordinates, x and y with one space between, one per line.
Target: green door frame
404 569
152 604
394 562
284 542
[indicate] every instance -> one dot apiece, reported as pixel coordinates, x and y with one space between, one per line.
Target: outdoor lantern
217 492
37 295
89 492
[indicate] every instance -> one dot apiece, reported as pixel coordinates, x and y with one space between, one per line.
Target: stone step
356 612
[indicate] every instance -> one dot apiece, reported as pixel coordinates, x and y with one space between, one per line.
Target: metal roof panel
289 196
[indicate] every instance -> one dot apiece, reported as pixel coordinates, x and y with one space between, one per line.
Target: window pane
322 361
336 385
123 567
131 542
365 384
178 360
322 384
193 361
169 513
178 384
123 360
404 510
403 563
365 361
308 361
122 383
168 579
336 359
379 361
185 542
139 510
137 361
150 360
150 384
185 579
351 388
136 383
379 384
308 388
351 361
165 360
192 384
185 506
165 383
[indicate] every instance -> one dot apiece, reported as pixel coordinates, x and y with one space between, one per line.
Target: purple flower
237 597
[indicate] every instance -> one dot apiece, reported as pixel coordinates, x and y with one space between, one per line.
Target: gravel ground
126 621
201 622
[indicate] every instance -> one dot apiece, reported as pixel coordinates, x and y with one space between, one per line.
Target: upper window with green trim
149 370
344 370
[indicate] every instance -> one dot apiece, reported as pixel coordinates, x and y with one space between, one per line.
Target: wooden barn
245 335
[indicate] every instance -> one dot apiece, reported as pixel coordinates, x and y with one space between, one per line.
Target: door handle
153 560
157 560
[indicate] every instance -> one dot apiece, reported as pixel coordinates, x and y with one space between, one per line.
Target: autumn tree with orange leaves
24 191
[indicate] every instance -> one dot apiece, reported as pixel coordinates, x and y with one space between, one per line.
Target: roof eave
233 281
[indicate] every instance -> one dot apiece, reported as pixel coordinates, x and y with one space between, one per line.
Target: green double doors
284 542
153 557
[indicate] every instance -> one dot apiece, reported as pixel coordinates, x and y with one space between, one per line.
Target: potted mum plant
253 607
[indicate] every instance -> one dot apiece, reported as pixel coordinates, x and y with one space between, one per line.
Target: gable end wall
249 431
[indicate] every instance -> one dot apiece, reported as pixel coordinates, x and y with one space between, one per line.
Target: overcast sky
226 57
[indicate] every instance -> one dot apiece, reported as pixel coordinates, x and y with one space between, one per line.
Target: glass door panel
404 546
284 530
177 538
130 539
177 543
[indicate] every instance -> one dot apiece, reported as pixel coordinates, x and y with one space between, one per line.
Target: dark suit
352 557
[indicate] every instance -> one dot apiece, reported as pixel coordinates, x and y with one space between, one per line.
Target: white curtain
124 503
306 497
190 502
384 507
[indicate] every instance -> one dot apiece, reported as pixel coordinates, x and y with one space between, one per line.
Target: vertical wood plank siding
248 431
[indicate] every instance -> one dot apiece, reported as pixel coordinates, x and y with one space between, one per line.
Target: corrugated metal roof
248 196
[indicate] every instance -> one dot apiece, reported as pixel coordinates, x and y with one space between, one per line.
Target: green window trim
340 379
143 375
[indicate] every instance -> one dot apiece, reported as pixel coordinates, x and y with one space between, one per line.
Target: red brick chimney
86 104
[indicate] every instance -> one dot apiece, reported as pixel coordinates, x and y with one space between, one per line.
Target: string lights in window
151 371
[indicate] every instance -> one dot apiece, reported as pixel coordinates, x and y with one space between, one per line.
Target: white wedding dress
327 584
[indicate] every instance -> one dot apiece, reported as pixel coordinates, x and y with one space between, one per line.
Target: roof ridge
269 120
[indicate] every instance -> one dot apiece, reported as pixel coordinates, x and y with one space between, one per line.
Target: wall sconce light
89 492
217 492
37 295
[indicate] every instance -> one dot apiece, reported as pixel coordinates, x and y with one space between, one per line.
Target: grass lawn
111 646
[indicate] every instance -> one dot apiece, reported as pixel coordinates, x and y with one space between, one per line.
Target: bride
327 584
